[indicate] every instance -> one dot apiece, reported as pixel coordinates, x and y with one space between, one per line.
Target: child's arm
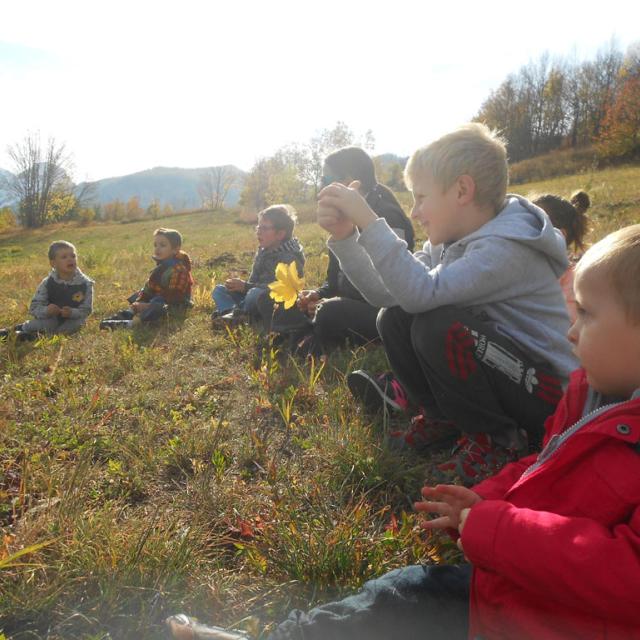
489 270
40 302
572 560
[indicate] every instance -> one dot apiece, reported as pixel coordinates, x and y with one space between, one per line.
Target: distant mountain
7 199
169 185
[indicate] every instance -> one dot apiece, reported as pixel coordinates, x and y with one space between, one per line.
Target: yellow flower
287 284
78 296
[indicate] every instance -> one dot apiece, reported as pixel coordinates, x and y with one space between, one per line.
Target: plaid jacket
171 280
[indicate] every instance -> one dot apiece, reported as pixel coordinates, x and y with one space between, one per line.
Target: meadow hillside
179 469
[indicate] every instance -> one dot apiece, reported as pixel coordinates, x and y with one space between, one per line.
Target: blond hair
58 245
617 258
473 150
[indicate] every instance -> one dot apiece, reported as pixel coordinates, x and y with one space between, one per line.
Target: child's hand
308 301
235 284
53 310
347 201
331 220
65 312
447 500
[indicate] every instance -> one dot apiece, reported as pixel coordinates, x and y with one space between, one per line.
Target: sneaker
26 336
183 627
474 458
116 324
4 333
423 434
377 393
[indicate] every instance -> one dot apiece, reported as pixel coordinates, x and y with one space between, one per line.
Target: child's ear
466 187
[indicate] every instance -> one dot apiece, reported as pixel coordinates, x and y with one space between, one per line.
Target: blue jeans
229 300
429 602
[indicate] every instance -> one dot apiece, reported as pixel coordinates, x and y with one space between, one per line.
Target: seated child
168 287
276 244
63 300
340 314
570 217
553 540
474 324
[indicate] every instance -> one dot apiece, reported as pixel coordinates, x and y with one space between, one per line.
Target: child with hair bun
569 216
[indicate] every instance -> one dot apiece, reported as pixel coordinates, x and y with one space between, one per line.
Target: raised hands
341 208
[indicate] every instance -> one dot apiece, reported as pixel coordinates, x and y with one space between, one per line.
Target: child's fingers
433 507
456 491
443 522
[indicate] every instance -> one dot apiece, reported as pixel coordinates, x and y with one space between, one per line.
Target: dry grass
174 469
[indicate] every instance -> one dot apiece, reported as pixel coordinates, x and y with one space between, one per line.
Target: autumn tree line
562 103
548 105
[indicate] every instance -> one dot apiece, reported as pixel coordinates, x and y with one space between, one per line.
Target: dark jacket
263 270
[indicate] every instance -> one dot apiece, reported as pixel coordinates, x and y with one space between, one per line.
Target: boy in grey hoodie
474 325
63 300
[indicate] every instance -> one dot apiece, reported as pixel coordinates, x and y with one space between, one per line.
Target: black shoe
377 393
116 324
26 336
4 333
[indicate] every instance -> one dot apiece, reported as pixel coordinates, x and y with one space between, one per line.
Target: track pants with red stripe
458 367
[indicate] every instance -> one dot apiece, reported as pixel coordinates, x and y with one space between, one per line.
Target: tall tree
620 131
40 176
215 184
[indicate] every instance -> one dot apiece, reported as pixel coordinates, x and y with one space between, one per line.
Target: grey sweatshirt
40 300
508 269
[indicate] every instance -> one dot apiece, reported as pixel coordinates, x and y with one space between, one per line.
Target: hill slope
169 185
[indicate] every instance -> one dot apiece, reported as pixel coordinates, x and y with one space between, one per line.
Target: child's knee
430 330
391 320
219 289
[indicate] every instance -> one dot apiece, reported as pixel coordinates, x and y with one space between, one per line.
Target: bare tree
215 184
38 177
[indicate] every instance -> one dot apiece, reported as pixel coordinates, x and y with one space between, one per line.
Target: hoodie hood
181 256
524 222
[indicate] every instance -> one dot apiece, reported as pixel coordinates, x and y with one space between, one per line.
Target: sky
131 85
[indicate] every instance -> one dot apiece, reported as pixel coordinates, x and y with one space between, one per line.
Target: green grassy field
155 471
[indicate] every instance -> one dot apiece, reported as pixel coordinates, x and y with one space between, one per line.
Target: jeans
421 602
229 300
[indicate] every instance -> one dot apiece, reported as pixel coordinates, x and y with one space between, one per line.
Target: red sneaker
475 458
424 433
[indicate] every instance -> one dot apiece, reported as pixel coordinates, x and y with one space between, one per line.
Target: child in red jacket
553 539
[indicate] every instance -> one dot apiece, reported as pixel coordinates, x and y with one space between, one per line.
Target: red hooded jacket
556 551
